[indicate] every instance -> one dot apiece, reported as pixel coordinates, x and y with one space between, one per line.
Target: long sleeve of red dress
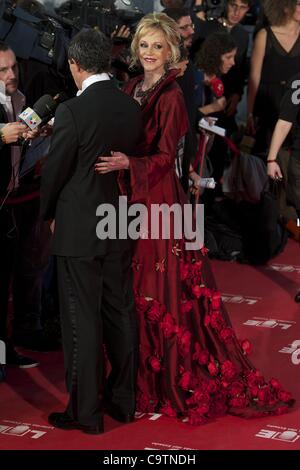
165 123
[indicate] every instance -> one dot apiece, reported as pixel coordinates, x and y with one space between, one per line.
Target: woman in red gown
191 363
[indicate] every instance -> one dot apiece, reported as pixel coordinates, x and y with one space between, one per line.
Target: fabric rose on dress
284 396
186 306
206 292
217 321
196 272
201 355
275 384
197 291
213 368
141 304
184 341
154 364
185 380
239 402
155 312
168 325
226 335
255 378
266 397
199 397
228 370
184 271
246 346
216 300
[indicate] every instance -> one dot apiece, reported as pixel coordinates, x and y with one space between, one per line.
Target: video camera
107 15
211 8
34 33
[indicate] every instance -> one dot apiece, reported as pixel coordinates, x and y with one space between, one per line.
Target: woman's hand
195 178
117 161
274 171
52 226
122 32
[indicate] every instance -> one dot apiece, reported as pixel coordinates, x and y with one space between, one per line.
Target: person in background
275 60
289 120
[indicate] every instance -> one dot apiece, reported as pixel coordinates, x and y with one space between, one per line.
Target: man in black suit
95 289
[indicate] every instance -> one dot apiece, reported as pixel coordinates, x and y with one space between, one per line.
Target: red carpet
260 302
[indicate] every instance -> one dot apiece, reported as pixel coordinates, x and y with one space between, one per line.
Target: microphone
209 183
42 111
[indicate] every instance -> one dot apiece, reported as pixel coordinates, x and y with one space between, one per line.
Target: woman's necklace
143 95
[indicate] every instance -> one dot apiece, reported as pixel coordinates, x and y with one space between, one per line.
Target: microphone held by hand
42 111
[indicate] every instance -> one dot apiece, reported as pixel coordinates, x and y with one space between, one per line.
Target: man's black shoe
63 421
297 298
15 359
114 412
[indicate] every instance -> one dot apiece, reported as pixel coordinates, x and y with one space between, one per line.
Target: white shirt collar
98 77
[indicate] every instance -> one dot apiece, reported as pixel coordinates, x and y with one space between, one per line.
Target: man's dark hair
176 13
91 50
4 47
215 45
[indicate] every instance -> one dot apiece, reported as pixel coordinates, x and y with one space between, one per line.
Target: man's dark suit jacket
102 119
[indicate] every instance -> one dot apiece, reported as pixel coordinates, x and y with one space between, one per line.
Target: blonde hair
159 22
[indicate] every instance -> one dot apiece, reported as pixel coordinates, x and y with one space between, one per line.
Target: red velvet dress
191 363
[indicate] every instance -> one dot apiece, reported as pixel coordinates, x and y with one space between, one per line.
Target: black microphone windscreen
45 107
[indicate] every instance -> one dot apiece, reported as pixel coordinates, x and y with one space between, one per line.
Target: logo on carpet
284 268
17 429
293 349
240 299
279 433
162 446
269 323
